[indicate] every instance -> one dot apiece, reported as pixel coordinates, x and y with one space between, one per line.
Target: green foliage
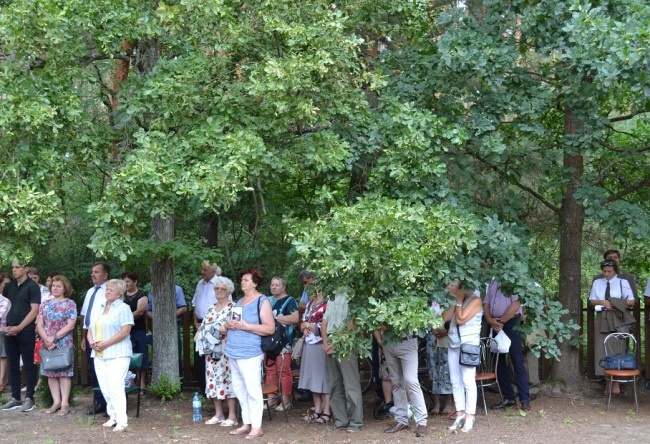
164 388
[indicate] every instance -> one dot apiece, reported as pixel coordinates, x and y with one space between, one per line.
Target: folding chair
486 372
617 343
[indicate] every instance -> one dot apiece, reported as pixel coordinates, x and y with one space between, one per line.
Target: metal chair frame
616 343
486 372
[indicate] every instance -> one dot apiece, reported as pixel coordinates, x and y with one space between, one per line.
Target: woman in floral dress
54 325
438 367
218 379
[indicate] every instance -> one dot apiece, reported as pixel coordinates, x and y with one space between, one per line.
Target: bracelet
55 337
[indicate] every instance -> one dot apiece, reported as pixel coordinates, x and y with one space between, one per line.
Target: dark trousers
199 371
21 345
517 362
375 369
99 397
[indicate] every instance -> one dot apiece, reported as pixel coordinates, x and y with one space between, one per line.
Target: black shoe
504 405
420 430
97 409
525 405
396 428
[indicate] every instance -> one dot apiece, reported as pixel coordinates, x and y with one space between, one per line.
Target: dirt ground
552 419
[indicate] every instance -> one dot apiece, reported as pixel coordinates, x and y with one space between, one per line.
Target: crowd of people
230 363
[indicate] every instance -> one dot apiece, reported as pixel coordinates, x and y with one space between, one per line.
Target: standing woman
137 300
218 378
54 325
108 337
465 328
609 292
313 373
244 350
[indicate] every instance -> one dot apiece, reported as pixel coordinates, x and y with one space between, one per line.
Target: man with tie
95 298
503 313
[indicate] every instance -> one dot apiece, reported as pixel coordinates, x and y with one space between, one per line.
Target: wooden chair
486 372
273 392
134 365
617 343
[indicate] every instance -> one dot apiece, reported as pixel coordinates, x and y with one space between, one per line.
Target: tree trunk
572 219
165 341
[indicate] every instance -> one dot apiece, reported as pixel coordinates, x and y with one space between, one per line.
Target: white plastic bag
501 342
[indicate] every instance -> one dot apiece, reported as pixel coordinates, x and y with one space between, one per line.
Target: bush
164 388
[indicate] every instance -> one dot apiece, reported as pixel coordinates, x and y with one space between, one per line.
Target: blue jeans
517 361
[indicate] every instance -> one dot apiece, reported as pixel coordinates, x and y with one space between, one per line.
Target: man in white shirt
92 306
203 299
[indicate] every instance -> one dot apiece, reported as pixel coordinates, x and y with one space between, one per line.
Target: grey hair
225 282
119 285
216 269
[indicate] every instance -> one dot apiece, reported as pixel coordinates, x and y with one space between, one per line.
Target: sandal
55 408
65 409
324 418
312 417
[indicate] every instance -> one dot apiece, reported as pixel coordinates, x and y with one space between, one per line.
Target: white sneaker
120 428
109 423
469 424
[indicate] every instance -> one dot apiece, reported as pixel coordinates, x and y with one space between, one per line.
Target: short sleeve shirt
22 297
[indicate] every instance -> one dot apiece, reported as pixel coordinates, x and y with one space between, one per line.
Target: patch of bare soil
553 419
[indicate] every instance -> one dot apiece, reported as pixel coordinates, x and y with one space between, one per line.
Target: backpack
273 344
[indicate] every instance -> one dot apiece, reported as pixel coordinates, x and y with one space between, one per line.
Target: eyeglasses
220 289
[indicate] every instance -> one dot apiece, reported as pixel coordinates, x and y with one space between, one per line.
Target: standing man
345 384
503 313
92 307
203 299
181 309
20 333
402 360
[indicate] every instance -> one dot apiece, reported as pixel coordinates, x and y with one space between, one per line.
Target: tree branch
628 116
631 189
520 185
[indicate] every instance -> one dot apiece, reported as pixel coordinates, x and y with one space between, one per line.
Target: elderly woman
610 293
108 337
244 350
54 324
137 300
313 373
278 371
465 328
210 339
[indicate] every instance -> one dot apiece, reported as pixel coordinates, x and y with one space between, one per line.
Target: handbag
296 353
501 342
57 359
470 355
272 344
621 361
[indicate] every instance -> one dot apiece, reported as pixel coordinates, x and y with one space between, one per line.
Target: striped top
244 344
119 314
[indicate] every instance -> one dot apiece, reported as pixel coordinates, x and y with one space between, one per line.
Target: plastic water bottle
197 408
